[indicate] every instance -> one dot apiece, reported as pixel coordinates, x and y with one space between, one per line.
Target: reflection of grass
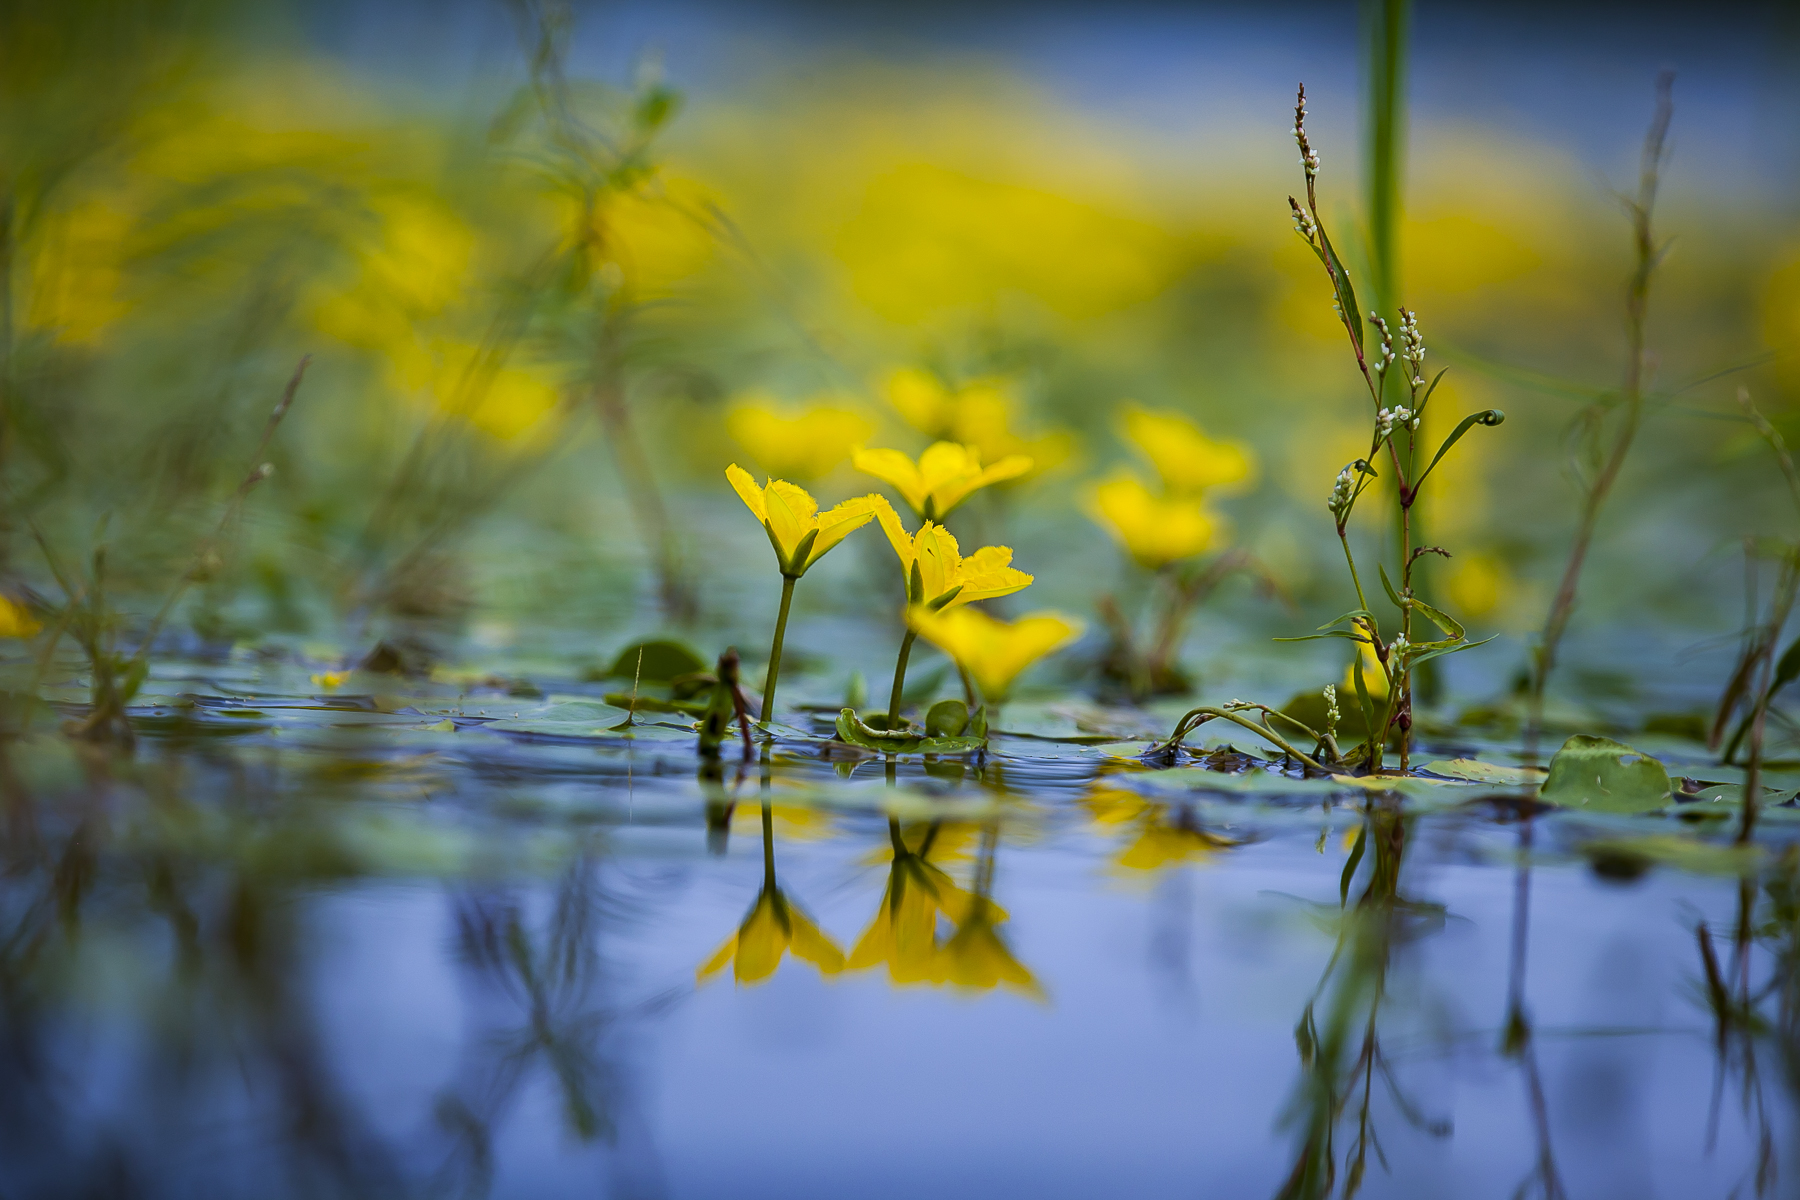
1341 1056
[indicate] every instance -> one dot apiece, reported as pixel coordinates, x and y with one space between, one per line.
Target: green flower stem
1361 600
781 618
906 646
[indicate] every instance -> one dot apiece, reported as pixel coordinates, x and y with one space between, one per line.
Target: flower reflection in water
921 898
904 933
1155 834
773 929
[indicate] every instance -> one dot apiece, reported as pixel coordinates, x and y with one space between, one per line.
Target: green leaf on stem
1489 417
1346 294
1388 586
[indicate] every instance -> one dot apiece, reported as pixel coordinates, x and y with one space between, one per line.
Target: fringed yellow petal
897 536
939 560
895 469
994 652
747 491
840 522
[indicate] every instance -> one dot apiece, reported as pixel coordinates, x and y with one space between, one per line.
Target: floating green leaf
947 718
1602 775
1485 772
900 741
663 660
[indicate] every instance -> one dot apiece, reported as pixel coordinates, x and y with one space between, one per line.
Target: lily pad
662 661
1602 775
1476 771
588 719
908 741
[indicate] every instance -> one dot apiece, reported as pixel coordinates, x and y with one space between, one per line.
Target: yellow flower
978 414
802 445
936 573
922 401
1155 530
945 475
330 681
1185 457
994 652
1374 677
17 622
1477 583
799 532
773 928
983 420
977 957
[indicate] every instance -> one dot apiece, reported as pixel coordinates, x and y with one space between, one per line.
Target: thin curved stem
1183 728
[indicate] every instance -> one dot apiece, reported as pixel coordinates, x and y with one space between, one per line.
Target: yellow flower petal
894 468
939 560
897 536
945 475
789 519
716 963
994 652
841 522
810 945
747 491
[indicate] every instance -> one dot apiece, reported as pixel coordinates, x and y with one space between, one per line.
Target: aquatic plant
1601 452
1162 531
1759 674
801 536
1393 442
938 577
772 929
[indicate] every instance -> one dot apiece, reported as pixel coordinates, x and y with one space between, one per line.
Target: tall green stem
906 646
1384 63
787 599
1362 601
1637 298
